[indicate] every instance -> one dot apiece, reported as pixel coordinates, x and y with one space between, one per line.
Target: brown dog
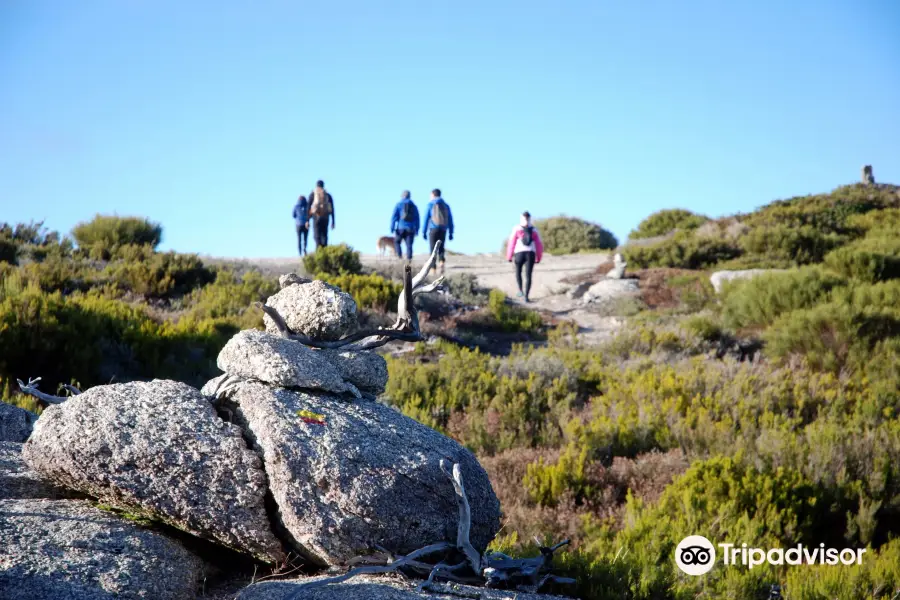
386 245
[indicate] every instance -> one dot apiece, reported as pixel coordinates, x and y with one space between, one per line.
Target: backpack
320 206
406 212
440 214
526 236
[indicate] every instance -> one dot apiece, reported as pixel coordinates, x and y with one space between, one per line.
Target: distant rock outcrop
867 177
618 270
719 278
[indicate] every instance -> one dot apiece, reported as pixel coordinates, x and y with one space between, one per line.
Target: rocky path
493 271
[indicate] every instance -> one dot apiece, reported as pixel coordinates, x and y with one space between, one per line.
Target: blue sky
212 117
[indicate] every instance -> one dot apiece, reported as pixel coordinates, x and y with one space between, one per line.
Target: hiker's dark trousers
399 237
321 231
524 259
434 235
302 238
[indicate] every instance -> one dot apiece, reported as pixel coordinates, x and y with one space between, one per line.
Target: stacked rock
295 457
346 474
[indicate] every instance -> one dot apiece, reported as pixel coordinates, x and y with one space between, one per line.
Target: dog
386 245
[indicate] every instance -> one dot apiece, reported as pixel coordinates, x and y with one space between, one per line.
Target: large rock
15 423
279 361
68 550
365 587
158 448
719 278
607 290
349 475
17 481
316 309
365 369
618 270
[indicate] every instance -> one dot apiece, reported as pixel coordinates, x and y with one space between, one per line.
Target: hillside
767 413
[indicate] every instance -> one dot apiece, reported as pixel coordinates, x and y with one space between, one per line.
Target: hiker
526 248
438 224
405 225
321 206
301 219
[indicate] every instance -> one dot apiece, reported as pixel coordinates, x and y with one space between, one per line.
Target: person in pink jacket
526 248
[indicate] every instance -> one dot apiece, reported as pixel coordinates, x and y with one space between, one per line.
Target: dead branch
465 517
405 328
31 388
494 569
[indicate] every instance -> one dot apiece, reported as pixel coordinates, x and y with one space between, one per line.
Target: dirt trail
493 271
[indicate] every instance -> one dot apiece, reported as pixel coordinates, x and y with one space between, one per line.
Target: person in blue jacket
438 224
301 220
405 225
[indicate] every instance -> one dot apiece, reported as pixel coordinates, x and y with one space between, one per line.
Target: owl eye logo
695 555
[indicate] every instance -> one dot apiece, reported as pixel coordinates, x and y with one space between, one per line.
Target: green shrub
760 300
31 241
158 275
66 275
869 260
512 318
333 260
369 291
878 577
103 236
664 221
464 287
703 327
566 235
683 251
798 245
9 251
95 340
230 296
832 336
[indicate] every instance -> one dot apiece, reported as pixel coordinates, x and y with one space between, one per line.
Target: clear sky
212 117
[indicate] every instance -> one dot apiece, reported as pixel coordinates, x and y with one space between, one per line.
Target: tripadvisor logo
696 555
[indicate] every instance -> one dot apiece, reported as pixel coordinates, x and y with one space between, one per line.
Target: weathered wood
31 388
405 328
494 569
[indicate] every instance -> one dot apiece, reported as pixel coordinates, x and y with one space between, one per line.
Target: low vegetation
625 448
565 235
666 221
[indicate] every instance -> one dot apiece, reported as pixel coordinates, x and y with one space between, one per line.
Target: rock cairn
287 453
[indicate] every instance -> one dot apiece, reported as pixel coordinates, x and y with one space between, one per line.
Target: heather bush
369 291
871 259
566 235
795 245
333 260
758 301
511 318
103 236
665 221
96 340
682 251
877 578
32 242
832 336
464 287
232 297
158 275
